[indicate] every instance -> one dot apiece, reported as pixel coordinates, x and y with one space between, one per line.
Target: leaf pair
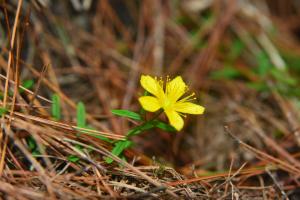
138 117
120 146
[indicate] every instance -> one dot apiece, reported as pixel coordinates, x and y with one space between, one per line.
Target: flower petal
175 119
149 103
190 108
175 89
151 85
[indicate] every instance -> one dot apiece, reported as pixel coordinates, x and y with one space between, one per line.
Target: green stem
138 128
155 116
120 146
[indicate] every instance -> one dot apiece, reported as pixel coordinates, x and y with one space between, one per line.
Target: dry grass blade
69 127
261 155
125 164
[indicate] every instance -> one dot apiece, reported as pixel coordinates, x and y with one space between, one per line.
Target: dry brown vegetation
242 58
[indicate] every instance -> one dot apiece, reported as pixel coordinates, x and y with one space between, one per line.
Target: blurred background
241 57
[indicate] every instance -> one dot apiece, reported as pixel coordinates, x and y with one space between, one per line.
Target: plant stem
155 116
138 128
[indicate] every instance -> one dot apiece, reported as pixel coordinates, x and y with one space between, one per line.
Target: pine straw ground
240 58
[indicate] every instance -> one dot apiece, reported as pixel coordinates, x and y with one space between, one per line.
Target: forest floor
65 65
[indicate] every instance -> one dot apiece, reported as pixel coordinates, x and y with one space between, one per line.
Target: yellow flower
169 99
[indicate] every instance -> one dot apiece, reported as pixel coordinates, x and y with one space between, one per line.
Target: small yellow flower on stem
170 99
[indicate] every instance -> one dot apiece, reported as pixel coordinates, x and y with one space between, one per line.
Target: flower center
167 104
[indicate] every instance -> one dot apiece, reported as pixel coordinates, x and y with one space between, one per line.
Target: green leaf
35 153
294 91
55 107
32 145
258 86
81 115
283 77
127 113
102 138
264 64
121 146
149 125
226 73
141 128
118 149
79 147
28 84
73 158
236 49
278 134
293 61
164 126
182 20
3 111
10 93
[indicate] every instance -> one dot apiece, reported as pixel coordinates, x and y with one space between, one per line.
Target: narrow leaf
28 84
141 128
127 113
258 86
102 138
73 158
236 49
31 143
227 72
55 108
164 126
118 149
283 77
264 64
81 115
3 111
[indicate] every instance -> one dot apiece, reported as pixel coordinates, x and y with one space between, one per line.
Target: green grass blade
81 115
55 107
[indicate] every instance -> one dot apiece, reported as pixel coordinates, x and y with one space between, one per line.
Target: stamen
188 98
182 115
160 82
186 89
